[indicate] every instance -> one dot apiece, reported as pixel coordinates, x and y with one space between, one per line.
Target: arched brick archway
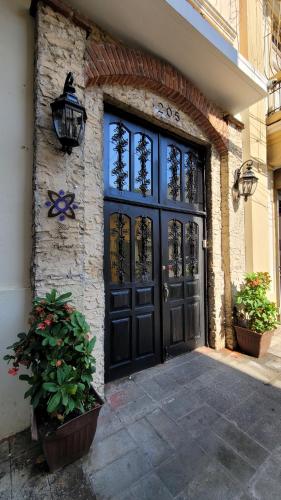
108 63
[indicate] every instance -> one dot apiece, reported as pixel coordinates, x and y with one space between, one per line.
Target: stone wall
69 255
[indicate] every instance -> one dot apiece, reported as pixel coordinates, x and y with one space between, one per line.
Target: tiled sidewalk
205 425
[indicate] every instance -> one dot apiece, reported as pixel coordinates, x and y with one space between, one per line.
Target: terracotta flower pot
71 440
253 343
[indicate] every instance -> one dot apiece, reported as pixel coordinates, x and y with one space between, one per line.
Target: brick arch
109 63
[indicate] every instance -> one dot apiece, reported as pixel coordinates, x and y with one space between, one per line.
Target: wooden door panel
193 329
183 282
144 296
193 288
176 291
120 299
145 343
120 335
177 324
132 289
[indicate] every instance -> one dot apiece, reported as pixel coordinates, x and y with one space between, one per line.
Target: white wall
16 129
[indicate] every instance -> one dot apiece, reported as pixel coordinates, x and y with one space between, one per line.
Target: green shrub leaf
54 402
50 387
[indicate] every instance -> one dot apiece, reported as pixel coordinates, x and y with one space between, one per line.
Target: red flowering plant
254 309
58 351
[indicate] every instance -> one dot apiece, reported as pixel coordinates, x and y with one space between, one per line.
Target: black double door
154 258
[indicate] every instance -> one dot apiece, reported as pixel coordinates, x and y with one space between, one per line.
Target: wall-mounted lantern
245 181
69 117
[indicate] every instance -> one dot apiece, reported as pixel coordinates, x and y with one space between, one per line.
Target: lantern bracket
68 84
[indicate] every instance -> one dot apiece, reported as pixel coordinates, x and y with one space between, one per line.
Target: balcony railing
274 99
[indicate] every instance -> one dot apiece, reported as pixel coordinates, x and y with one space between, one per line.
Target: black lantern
245 182
69 117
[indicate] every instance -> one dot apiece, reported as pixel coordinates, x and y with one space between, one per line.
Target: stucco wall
16 128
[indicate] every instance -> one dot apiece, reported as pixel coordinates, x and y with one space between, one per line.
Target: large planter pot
71 440
253 343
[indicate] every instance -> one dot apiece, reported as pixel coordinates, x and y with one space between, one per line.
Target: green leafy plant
58 351
253 307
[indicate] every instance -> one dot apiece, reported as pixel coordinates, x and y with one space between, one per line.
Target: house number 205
166 111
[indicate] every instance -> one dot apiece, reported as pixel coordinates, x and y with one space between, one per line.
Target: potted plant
58 352
256 315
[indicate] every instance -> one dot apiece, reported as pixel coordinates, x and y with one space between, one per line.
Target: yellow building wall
259 209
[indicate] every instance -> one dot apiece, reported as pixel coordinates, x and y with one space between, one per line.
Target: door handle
166 292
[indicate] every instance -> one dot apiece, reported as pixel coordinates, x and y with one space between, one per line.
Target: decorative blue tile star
61 205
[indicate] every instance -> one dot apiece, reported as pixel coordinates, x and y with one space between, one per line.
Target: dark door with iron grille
154 261
183 282
132 282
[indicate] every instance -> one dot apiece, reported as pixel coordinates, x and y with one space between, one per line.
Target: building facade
160 241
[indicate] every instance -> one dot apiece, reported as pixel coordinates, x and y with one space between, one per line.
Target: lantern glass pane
247 186
73 123
59 121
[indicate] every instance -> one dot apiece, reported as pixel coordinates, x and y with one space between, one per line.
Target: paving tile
149 373
173 475
181 468
4 450
142 376
182 359
225 375
148 488
120 475
273 362
116 386
205 363
173 433
154 390
244 496
109 449
30 485
217 400
223 453
199 383
267 481
199 421
248 411
152 445
28 481
5 480
258 372
272 394
212 483
276 454
136 409
21 442
266 431
181 403
108 423
242 386
71 483
185 373
126 393
167 382
249 449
